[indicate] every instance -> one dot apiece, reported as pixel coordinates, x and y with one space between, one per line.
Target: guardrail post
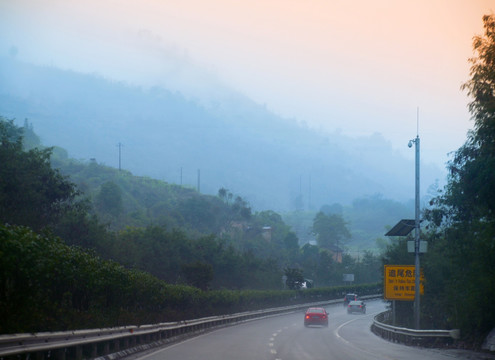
60 354
78 350
94 350
106 347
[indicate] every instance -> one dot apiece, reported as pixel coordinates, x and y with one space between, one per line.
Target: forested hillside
236 144
170 231
121 199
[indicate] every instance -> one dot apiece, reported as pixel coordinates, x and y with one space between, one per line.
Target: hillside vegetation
274 163
170 231
120 248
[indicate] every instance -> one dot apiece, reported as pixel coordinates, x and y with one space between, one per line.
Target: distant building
336 253
266 232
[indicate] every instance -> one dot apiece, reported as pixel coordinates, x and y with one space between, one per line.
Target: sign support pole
393 313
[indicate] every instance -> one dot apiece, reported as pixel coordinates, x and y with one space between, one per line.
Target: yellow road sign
400 281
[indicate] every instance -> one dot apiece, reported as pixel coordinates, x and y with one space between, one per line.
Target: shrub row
46 285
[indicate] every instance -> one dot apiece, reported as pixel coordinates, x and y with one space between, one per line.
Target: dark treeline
459 266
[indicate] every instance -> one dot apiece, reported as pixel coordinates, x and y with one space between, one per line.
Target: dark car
356 306
349 297
316 316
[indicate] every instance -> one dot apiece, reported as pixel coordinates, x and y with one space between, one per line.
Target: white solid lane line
336 333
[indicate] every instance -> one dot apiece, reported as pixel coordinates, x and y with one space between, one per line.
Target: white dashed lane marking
271 343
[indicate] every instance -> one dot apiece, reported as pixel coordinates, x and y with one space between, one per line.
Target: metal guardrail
410 336
94 343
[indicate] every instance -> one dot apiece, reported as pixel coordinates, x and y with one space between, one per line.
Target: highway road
284 337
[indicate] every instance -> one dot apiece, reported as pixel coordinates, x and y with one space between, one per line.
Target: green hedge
46 285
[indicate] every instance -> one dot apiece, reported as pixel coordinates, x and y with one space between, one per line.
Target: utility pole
120 156
300 185
309 193
199 180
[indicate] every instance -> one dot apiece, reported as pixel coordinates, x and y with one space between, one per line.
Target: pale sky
357 67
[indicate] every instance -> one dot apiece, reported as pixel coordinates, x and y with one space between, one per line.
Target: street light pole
417 242
417 268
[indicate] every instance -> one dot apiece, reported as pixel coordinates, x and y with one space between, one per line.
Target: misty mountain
272 162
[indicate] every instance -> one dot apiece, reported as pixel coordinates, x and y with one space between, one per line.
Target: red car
316 316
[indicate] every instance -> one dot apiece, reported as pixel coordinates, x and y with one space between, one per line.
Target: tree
368 269
29 138
309 260
198 274
330 230
202 213
242 208
109 199
335 208
326 274
295 278
222 193
472 171
31 192
470 195
463 218
291 242
77 226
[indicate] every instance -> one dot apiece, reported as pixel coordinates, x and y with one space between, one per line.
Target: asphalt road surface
284 337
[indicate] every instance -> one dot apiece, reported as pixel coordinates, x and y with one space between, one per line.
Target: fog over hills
272 162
